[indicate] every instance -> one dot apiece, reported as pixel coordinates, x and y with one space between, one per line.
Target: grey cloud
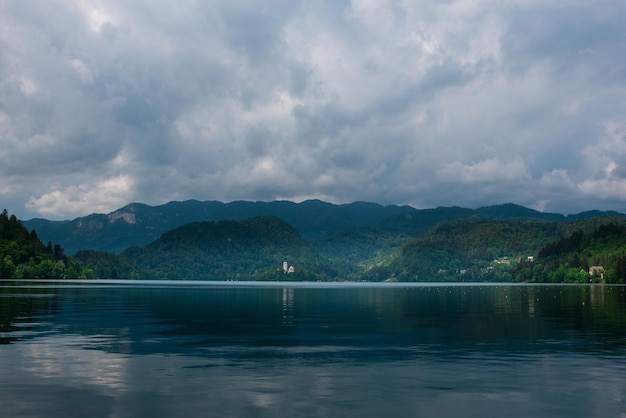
262 37
288 99
324 121
554 32
619 171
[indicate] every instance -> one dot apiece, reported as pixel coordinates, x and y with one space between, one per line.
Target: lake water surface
186 349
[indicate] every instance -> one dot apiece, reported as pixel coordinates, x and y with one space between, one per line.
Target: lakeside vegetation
23 255
467 250
498 244
517 250
598 255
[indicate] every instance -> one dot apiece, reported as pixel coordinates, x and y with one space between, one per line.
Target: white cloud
82 70
606 163
103 197
610 146
95 14
608 188
557 181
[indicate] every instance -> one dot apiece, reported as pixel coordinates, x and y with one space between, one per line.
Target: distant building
285 266
291 270
596 271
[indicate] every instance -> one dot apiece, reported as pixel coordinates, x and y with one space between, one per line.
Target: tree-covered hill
468 250
416 246
510 211
480 249
586 255
253 248
23 255
359 250
138 224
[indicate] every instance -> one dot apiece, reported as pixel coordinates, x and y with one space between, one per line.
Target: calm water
162 349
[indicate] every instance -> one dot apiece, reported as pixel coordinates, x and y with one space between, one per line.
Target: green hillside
358 241
582 257
249 249
108 266
508 250
23 255
468 250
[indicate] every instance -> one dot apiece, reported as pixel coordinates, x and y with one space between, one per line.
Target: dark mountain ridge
444 244
138 224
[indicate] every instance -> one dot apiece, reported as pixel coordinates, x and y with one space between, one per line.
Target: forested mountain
465 250
249 249
419 222
480 249
23 255
480 245
137 224
510 211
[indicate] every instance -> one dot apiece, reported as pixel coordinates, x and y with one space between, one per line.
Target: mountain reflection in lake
161 349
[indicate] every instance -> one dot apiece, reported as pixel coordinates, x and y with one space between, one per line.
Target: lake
185 349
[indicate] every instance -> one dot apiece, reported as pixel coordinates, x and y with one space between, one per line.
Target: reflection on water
165 349
288 305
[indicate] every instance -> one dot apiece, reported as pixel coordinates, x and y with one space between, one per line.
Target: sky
426 103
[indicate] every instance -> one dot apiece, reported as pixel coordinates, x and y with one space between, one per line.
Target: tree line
582 257
23 255
470 250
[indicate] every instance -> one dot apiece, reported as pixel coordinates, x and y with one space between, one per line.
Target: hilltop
253 248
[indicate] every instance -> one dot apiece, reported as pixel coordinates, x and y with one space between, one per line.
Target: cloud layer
467 103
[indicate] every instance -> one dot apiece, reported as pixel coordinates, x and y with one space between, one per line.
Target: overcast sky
427 103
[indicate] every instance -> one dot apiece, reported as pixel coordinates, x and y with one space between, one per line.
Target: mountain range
138 224
323 241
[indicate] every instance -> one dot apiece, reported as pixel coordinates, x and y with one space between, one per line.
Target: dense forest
23 255
109 266
598 255
512 250
442 245
354 250
253 248
467 250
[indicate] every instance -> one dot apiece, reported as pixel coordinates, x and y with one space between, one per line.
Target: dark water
185 350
